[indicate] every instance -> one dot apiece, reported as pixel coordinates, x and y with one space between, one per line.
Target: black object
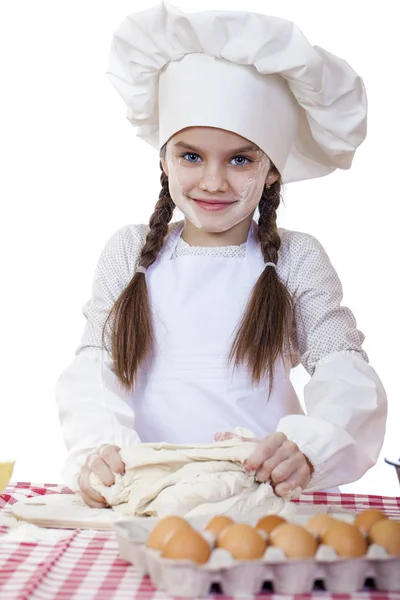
395 464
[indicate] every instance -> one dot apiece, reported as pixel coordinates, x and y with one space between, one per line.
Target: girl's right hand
105 461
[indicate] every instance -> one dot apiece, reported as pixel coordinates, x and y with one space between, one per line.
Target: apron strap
171 241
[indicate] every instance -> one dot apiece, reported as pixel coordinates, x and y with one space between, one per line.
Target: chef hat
252 74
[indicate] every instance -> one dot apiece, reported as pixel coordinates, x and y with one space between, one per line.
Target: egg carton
243 578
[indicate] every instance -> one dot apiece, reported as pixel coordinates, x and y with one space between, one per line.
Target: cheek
181 182
248 189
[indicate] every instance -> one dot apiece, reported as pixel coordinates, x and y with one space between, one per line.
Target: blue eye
189 156
192 157
242 159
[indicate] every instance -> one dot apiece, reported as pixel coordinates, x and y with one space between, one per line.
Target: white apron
187 391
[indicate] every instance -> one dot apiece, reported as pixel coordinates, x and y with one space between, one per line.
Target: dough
189 480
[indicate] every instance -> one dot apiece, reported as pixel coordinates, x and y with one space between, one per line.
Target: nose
213 179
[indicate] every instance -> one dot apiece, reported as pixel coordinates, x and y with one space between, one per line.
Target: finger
89 495
92 503
287 468
264 450
112 458
101 469
222 436
278 461
289 493
289 487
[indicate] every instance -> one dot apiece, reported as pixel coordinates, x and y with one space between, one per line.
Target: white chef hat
252 74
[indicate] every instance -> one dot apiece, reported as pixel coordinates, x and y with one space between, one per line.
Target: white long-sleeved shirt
343 430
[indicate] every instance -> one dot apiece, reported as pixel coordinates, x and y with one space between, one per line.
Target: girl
193 328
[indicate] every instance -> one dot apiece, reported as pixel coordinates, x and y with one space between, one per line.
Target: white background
73 173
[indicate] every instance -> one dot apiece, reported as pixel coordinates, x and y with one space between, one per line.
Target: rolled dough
189 480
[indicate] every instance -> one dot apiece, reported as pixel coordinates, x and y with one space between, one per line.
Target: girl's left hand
279 460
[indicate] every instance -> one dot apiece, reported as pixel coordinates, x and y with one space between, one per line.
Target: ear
164 166
272 176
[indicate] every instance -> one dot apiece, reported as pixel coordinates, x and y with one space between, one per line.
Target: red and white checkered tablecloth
85 564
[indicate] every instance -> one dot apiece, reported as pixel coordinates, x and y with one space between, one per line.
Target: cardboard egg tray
246 578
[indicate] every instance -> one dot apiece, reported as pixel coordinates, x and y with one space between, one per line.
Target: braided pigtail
132 331
265 326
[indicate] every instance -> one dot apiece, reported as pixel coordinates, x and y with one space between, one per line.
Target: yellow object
6 470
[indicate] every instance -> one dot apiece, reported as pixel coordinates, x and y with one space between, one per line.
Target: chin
213 228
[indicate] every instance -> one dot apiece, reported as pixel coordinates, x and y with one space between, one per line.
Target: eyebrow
248 148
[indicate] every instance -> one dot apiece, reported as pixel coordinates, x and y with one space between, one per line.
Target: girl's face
216 177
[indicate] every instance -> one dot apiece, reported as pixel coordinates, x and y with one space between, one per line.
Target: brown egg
269 523
294 540
365 519
218 524
242 541
319 523
187 544
346 539
386 533
164 529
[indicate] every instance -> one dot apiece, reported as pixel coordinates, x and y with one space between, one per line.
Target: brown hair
264 329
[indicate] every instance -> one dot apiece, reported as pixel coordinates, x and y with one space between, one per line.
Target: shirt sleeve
322 324
343 430
93 407
115 268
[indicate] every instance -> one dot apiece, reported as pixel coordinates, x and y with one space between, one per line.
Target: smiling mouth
213 205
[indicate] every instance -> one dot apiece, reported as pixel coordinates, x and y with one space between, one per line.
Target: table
85 564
